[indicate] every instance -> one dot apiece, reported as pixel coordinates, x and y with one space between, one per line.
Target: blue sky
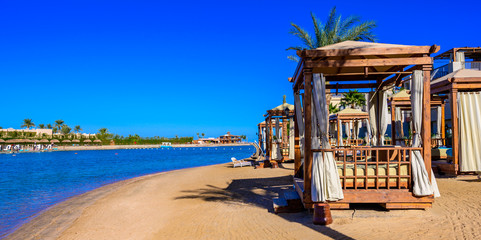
180 67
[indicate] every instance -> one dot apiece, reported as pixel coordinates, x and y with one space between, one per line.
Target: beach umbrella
87 141
1 140
75 141
43 141
54 141
98 141
66 141
12 141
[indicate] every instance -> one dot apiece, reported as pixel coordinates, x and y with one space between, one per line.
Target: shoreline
115 147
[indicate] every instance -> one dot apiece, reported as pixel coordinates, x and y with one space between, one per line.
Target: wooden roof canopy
403 99
469 52
349 114
362 65
461 80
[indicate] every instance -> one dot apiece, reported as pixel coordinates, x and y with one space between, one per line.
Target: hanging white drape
383 117
347 126
291 139
422 185
373 116
326 185
470 131
460 58
438 126
368 133
300 123
341 142
399 126
356 128
263 138
278 142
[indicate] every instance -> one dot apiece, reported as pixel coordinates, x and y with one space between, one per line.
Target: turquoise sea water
32 182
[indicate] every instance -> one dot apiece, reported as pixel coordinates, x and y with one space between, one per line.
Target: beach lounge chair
240 163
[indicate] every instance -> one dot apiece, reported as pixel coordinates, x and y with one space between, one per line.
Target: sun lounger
240 163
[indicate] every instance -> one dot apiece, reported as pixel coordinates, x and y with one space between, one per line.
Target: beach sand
221 202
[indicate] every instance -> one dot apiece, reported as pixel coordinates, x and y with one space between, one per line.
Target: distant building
229 138
206 141
38 132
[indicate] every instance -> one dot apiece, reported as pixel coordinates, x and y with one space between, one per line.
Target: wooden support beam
411 50
426 124
307 135
368 62
351 86
443 123
455 129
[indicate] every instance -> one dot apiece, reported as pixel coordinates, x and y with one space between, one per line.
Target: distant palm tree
59 123
49 126
203 135
103 131
77 129
333 108
55 130
28 123
333 31
198 136
353 98
41 126
65 129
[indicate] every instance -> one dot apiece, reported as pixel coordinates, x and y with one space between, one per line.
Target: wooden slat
426 125
454 122
411 50
351 86
368 62
307 135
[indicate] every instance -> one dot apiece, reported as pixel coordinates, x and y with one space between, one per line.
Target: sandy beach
221 202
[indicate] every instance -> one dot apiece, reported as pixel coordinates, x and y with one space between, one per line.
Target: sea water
32 182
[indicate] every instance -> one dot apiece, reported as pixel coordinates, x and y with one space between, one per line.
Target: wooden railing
437 142
373 167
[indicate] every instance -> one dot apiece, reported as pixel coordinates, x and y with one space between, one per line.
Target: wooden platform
388 198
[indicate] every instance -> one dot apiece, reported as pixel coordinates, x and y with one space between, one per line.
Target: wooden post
426 124
393 124
307 135
268 138
455 130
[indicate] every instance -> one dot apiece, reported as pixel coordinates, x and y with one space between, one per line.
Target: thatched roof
54 141
66 141
87 141
402 94
75 141
1 140
283 106
351 111
97 140
43 141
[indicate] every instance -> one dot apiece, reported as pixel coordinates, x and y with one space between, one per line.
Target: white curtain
300 123
470 131
326 185
422 186
291 139
399 126
264 138
383 117
373 99
278 142
347 126
438 125
368 133
341 143
460 58
357 127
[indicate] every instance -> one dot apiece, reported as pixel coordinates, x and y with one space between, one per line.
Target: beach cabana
394 176
463 88
400 105
352 119
87 141
279 133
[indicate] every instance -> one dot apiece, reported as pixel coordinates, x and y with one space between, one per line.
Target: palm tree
28 123
54 130
103 131
49 126
333 108
41 126
198 136
333 31
59 123
77 129
353 98
65 129
203 135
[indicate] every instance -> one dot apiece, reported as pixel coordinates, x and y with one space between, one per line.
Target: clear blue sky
181 67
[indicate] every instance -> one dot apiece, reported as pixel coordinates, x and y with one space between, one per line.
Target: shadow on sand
247 191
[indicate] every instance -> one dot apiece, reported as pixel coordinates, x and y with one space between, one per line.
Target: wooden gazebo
376 174
402 100
283 113
463 80
347 115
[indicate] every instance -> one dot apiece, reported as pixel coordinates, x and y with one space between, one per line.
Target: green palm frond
333 31
293 58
